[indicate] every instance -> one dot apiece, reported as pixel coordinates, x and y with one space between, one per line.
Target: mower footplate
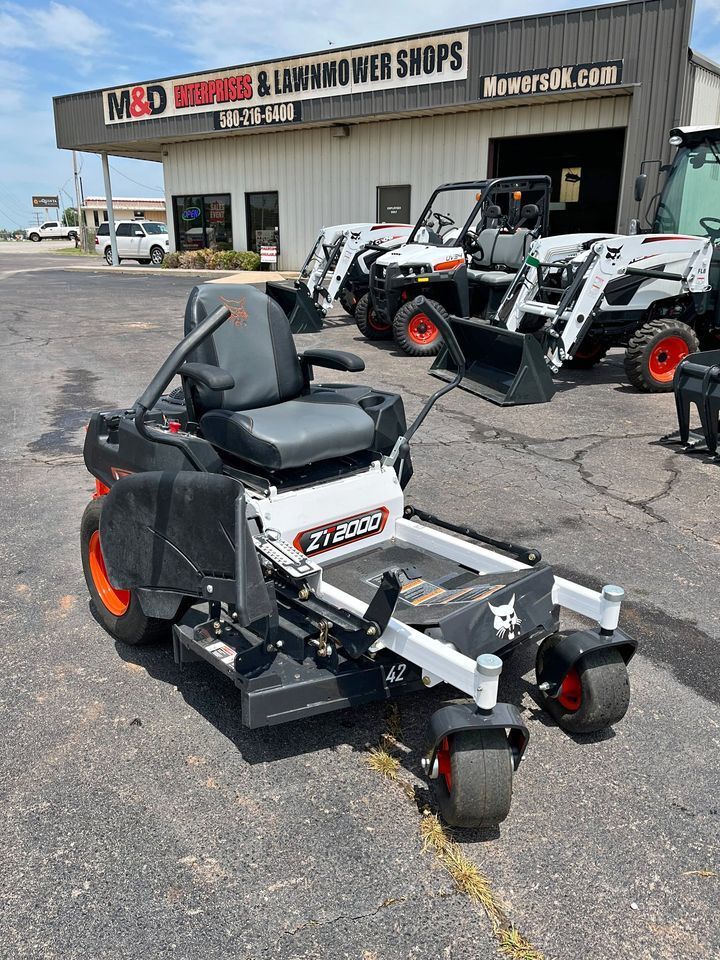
488 613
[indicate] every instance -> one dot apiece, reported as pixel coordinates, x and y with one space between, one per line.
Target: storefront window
203 221
263 220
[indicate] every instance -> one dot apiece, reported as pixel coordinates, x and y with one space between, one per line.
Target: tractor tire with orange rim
414 331
475 775
369 323
654 352
118 611
594 694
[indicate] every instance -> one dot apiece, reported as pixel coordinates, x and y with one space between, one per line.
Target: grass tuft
513 944
383 763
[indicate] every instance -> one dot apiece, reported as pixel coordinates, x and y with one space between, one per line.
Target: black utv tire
130 625
589 353
475 790
594 695
368 322
654 352
414 331
348 301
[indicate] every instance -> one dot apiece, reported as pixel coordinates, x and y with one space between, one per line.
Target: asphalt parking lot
142 820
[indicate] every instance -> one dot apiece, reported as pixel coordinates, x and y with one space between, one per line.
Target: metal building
266 153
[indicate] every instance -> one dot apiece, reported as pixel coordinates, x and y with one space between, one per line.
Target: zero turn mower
260 522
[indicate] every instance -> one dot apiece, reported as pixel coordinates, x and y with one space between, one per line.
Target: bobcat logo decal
613 253
238 313
506 620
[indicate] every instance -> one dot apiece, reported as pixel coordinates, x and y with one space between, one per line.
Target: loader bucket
299 307
502 366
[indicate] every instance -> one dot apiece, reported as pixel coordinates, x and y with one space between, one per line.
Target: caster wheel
475 774
594 695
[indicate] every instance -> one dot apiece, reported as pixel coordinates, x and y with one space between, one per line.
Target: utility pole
81 219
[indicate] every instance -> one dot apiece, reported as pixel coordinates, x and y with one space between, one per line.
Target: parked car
143 240
52 230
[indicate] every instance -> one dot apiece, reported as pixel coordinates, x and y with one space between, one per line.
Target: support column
111 215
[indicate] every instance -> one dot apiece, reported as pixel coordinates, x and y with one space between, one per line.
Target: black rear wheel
587 355
348 301
414 331
475 774
370 325
594 694
654 352
118 611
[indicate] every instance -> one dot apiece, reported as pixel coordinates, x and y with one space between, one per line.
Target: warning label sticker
419 592
222 651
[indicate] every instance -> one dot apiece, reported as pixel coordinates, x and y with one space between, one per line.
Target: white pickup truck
52 230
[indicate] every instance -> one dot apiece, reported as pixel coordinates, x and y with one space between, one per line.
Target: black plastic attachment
697 383
562 657
466 716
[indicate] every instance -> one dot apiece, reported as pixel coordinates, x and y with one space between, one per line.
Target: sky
49 48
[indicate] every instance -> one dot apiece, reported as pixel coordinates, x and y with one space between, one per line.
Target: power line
11 219
136 182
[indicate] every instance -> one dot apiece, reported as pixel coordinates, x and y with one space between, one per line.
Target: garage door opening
585 169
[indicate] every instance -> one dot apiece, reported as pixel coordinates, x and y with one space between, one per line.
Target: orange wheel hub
665 357
421 329
570 696
116 601
443 762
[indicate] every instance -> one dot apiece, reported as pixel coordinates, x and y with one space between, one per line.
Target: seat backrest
486 242
255 345
510 249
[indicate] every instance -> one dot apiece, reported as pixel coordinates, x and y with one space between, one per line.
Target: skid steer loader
577 295
337 268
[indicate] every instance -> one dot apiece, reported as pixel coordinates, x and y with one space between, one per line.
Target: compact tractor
653 293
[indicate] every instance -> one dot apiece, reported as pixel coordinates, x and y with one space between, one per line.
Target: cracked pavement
142 820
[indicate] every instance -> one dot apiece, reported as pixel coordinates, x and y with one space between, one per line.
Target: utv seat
501 253
271 417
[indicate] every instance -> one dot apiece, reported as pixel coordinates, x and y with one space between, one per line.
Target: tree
70 217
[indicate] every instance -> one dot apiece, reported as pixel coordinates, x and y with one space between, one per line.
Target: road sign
45 202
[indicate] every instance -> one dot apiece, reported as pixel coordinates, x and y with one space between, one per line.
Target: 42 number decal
396 673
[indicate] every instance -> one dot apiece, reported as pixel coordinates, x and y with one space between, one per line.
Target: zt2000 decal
340 532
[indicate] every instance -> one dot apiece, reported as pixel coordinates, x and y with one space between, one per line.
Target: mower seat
271 417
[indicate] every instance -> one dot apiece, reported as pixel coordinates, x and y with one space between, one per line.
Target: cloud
203 29
55 26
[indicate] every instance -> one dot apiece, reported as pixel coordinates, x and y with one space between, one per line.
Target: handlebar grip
422 303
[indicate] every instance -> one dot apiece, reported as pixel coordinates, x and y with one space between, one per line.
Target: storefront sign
266 115
362 70
45 202
191 213
268 254
580 76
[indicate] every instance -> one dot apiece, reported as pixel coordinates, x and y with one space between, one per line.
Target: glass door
263 220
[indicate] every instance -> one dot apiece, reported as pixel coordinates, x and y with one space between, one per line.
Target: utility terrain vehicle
261 521
461 255
337 268
577 295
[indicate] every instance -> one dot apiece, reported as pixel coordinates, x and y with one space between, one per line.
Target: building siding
705 109
323 180
650 36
